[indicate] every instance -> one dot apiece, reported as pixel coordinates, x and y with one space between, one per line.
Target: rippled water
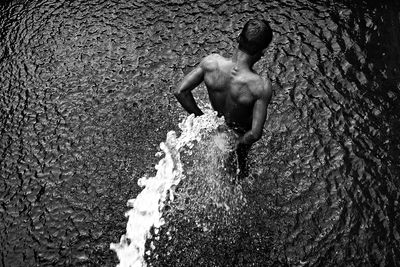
86 99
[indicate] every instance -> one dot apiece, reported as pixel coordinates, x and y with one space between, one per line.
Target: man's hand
248 138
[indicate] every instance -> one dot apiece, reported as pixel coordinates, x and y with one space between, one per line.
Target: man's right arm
184 90
259 116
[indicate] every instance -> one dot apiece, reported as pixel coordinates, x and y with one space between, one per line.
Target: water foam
146 208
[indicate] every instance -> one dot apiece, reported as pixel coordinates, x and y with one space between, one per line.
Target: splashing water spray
146 209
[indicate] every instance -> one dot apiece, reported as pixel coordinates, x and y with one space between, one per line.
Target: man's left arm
259 117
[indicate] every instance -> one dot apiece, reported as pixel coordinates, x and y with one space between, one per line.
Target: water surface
86 97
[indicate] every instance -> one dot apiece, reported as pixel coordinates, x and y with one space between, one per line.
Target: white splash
146 209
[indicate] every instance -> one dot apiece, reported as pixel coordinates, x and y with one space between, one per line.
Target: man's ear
239 37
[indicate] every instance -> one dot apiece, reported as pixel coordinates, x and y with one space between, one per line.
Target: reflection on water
86 99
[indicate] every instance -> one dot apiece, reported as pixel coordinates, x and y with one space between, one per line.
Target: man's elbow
180 91
177 92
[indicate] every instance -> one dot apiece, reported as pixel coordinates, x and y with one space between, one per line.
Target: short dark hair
255 36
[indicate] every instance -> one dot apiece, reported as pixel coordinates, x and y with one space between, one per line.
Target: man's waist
239 129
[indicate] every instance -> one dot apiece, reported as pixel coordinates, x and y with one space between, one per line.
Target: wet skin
235 91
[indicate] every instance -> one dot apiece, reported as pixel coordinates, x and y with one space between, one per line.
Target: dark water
86 99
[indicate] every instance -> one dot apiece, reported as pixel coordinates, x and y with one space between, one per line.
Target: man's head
255 37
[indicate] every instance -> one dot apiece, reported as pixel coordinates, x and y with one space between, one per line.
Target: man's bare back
234 90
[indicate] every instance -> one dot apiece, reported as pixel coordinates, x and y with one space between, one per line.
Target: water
86 98
146 209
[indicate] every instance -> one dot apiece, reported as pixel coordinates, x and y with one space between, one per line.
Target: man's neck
244 60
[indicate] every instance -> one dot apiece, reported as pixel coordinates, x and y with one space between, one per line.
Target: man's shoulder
212 61
262 87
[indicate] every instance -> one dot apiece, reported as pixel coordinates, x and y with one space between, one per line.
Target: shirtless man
235 90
